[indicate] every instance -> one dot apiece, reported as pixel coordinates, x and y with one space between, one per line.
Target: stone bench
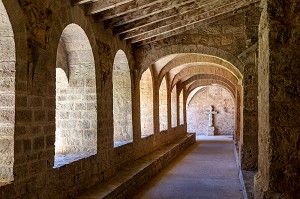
128 180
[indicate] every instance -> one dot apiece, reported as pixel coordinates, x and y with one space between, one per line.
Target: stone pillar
278 100
248 140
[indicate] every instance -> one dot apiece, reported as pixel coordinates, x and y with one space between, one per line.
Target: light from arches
174 106
122 102
146 104
76 105
163 105
181 107
7 97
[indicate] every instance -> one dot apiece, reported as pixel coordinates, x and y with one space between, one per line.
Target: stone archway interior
122 102
76 115
7 96
221 101
146 104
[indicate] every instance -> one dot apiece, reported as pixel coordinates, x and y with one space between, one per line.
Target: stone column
278 100
248 140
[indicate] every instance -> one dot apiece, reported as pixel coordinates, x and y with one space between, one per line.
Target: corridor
207 170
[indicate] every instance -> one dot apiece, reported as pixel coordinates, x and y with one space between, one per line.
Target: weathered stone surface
278 101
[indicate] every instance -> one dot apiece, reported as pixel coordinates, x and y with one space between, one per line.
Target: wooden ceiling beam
195 25
77 2
214 10
126 9
143 13
169 15
103 5
184 17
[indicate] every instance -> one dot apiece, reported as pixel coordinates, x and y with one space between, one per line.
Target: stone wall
278 100
222 102
248 144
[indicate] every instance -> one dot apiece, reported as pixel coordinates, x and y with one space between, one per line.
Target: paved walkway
207 170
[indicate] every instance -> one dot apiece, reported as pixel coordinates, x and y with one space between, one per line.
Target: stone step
128 180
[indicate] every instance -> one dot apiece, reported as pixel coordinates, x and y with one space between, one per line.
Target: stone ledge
128 180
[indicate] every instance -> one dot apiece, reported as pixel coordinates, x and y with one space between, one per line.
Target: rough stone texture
122 101
278 102
222 102
146 93
249 149
7 96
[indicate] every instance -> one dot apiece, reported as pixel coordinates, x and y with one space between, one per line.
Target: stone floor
207 170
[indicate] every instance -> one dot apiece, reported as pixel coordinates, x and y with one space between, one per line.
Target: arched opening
146 103
211 104
7 97
174 106
181 115
122 102
76 105
163 105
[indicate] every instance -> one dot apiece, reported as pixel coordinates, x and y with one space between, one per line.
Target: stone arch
153 55
193 70
76 100
163 106
183 60
146 103
7 96
122 100
193 92
204 79
207 82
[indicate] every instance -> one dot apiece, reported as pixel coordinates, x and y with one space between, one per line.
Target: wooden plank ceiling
140 22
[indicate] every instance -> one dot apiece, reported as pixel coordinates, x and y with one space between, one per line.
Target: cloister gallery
89 87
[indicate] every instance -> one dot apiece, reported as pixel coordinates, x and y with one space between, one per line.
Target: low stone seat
128 180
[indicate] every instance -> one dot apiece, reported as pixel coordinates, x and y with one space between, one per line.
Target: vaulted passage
101 95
